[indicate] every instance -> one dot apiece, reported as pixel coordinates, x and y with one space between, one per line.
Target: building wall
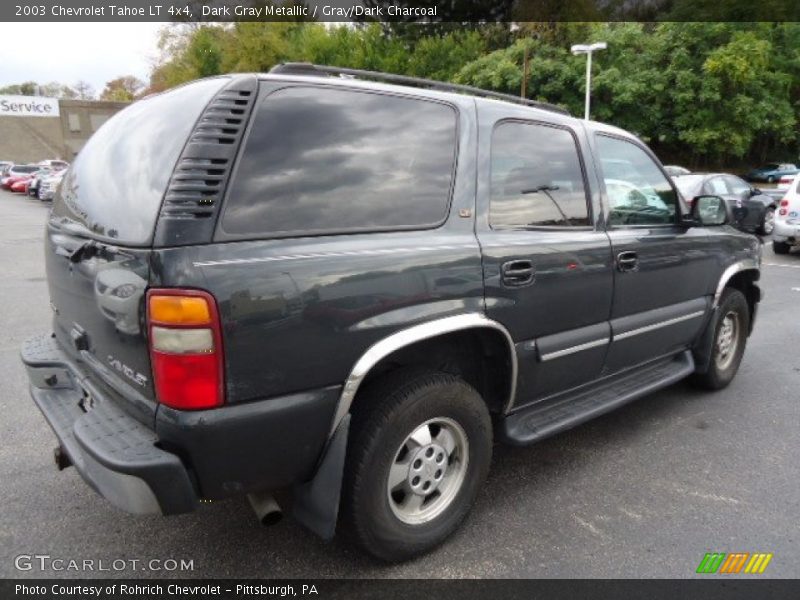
31 139
80 119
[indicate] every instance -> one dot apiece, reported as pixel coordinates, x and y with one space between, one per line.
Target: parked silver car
49 184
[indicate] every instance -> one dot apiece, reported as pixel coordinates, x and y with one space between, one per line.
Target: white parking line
780 265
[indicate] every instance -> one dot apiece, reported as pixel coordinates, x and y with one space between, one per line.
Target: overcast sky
67 52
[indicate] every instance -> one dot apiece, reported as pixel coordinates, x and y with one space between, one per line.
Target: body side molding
406 337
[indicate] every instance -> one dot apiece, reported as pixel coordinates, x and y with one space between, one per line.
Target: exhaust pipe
266 508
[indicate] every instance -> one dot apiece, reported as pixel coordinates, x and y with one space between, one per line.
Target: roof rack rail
312 70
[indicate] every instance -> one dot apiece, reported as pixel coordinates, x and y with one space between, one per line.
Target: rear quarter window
321 161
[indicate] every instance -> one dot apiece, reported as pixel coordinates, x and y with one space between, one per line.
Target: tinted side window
536 178
738 186
638 192
321 160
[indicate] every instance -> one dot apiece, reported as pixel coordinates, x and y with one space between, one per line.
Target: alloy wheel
428 471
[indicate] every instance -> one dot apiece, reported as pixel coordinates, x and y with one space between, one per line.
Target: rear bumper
113 452
184 455
786 232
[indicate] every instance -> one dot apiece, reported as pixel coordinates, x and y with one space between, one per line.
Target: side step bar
542 420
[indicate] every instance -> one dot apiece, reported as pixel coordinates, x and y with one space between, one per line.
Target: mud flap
316 503
703 350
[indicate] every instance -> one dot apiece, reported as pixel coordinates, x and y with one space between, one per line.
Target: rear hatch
99 236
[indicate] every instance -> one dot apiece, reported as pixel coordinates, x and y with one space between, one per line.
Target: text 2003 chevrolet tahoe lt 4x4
349 288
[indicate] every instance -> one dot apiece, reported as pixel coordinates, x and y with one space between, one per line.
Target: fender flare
748 264
411 335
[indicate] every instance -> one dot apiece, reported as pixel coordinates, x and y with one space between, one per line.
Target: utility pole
525 63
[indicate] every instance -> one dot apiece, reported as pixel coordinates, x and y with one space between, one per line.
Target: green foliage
704 93
122 89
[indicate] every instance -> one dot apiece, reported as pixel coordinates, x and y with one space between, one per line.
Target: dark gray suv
317 280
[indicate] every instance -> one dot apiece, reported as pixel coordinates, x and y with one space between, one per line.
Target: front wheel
419 450
730 339
767 222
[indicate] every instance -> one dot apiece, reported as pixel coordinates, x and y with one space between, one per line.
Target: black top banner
410 11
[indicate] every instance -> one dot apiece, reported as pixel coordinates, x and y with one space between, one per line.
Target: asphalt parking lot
643 492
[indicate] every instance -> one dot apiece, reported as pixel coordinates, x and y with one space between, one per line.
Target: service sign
28 106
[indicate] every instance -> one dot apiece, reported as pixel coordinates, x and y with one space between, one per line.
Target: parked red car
21 184
16 173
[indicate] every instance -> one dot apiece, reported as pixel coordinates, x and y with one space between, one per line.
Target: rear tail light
185 348
784 203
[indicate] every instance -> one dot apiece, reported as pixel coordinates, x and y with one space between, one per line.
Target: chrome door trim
405 337
574 349
659 325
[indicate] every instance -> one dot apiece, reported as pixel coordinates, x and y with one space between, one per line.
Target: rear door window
321 161
537 179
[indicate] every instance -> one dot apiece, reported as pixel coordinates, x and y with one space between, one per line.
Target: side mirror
755 192
710 211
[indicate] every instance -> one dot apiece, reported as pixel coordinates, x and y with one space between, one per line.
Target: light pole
587 49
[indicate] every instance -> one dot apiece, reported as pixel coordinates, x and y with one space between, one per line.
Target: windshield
25 169
114 188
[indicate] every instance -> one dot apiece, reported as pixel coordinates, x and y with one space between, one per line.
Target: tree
83 90
708 94
122 89
29 88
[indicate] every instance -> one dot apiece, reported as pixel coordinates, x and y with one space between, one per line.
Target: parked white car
56 164
787 220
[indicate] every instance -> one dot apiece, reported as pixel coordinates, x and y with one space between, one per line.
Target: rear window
114 188
327 161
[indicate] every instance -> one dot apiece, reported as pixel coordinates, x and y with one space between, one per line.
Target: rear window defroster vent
192 200
223 120
195 188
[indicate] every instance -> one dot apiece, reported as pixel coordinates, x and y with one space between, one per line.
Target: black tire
387 413
767 224
724 366
780 247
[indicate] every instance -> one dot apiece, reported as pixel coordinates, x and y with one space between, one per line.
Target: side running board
544 419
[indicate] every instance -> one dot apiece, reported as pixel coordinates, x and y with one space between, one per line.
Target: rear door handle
627 261
517 273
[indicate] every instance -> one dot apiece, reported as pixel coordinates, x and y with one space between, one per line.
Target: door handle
517 273
627 261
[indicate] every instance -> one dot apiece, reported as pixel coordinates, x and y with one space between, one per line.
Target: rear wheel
419 450
730 339
767 222
780 247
